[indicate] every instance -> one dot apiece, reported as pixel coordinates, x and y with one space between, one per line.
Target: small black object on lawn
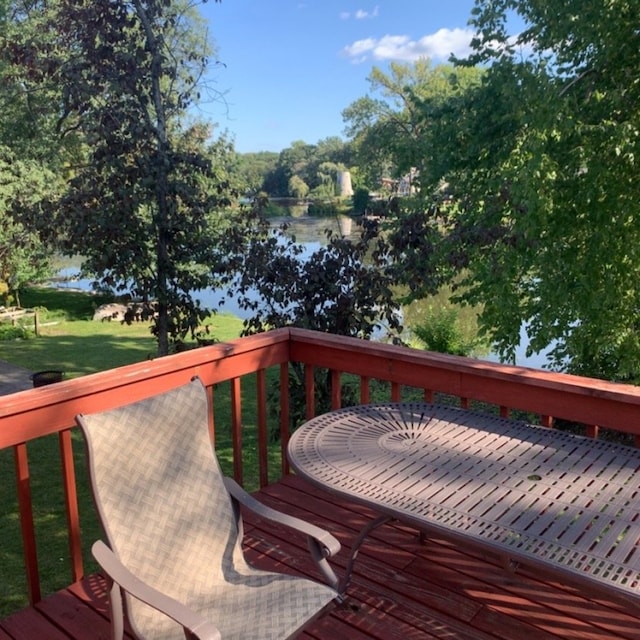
42 378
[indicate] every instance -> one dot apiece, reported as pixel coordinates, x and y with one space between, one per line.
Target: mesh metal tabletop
531 493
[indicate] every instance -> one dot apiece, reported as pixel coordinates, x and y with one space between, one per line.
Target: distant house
402 187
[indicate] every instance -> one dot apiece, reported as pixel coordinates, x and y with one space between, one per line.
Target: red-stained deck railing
31 414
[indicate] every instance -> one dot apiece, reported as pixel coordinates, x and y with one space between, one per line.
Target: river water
309 231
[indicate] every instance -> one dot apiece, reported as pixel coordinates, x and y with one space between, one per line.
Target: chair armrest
193 623
327 540
322 544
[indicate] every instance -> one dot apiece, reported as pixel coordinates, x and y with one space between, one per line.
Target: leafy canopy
33 157
388 125
144 210
308 169
539 219
342 287
562 186
23 258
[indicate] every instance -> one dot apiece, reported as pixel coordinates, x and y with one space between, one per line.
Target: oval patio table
563 503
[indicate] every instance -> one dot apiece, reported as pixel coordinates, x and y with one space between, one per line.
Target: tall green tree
34 158
29 100
252 169
542 162
315 165
387 126
142 210
23 257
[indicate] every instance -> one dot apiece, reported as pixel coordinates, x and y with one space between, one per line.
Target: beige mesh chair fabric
169 519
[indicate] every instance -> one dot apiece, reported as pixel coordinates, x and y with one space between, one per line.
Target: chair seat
253 608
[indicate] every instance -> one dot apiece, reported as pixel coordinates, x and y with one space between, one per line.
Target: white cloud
437 46
363 15
360 14
361 47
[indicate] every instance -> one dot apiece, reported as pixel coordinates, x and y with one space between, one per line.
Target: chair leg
320 559
116 611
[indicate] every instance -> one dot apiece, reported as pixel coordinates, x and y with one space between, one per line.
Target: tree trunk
162 201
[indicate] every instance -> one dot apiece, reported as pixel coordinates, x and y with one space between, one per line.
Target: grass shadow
79 355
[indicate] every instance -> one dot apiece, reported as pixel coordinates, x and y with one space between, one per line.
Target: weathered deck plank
401 589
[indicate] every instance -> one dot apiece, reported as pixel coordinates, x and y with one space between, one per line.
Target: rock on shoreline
130 312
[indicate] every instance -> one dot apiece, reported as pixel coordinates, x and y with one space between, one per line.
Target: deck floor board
402 588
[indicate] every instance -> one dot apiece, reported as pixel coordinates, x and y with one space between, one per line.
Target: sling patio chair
173 552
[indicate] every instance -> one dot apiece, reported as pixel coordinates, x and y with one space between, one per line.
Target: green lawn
71 341
74 343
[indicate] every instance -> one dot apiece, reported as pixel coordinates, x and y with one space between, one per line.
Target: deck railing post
309 391
336 390
592 431
236 426
71 504
26 522
263 436
365 390
284 415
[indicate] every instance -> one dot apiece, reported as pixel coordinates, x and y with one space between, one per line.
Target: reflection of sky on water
535 360
67 278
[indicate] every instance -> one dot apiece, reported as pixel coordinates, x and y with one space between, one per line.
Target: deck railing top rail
576 398
36 412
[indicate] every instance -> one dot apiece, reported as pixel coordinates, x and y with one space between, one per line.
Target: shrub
323 208
273 210
14 332
441 332
361 199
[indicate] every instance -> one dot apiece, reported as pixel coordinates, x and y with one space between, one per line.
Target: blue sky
292 66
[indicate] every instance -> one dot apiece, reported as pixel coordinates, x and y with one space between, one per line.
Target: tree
342 288
29 119
540 161
23 258
314 165
251 170
34 158
298 187
142 210
388 131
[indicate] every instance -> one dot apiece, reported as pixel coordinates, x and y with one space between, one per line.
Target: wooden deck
401 589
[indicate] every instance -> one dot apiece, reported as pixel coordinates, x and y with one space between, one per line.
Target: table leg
355 548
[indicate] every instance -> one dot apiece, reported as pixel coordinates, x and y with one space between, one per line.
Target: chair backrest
159 492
